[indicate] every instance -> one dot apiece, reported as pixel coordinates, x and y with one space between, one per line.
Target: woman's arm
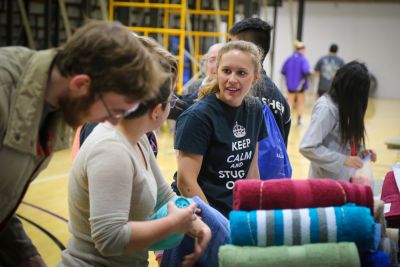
353 162
311 146
189 165
253 170
178 220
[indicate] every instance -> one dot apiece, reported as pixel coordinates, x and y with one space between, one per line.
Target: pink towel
294 194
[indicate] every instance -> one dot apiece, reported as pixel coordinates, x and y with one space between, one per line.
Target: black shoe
299 121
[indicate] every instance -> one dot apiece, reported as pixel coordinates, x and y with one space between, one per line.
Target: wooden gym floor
44 210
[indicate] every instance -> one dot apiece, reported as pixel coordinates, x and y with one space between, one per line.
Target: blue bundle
172 240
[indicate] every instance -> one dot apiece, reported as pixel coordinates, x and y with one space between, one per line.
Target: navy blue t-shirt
269 94
226 137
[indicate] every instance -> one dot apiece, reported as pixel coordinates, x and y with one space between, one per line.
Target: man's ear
79 85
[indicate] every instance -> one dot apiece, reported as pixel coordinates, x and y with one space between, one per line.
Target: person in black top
189 97
210 69
217 137
258 32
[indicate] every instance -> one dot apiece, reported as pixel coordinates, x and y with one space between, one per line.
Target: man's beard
75 110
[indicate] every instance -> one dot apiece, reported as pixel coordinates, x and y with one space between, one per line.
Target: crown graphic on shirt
239 131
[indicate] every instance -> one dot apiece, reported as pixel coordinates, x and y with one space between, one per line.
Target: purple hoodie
296 69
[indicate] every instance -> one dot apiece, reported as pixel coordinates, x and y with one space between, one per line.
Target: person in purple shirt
296 70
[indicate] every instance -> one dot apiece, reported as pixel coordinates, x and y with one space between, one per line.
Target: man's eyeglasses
120 114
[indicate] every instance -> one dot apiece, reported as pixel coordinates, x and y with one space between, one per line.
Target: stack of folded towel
302 223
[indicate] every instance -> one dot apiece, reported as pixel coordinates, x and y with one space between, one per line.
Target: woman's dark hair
254 30
169 64
162 98
349 90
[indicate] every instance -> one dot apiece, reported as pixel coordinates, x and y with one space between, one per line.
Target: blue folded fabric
302 226
377 236
172 240
219 226
375 259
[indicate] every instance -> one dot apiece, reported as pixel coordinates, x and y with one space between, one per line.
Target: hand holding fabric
183 217
203 237
353 162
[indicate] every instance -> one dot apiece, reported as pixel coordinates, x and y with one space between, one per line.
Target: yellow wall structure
182 10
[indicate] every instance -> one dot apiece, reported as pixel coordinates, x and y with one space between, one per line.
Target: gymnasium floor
45 204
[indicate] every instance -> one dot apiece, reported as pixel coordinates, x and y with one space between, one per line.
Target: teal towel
302 226
310 255
172 240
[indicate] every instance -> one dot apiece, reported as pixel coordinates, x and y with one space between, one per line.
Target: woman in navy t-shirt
216 138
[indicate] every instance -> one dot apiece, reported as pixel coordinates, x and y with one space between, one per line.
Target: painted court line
45 210
49 178
59 244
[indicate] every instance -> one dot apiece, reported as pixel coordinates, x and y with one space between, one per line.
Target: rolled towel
311 255
250 194
302 226
219 226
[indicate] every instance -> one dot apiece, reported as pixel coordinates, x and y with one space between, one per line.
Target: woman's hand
203 237
182 217
353 162
373 156
370 153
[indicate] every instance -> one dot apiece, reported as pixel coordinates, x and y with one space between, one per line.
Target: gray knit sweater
321 142
109 186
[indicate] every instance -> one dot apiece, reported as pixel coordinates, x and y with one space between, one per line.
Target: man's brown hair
115 60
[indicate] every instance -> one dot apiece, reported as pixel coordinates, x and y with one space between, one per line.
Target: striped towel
302 226
311 255
250 194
